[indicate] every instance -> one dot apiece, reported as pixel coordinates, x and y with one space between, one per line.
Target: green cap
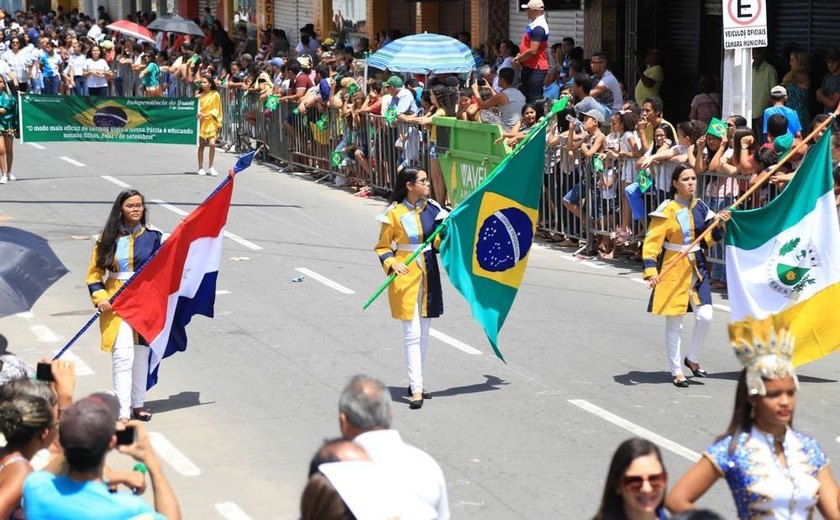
783 143
717 128
394 81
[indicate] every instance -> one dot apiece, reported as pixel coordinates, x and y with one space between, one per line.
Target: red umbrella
132 29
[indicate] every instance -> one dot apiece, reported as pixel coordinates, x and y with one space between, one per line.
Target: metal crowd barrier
580 205
576 207
589 208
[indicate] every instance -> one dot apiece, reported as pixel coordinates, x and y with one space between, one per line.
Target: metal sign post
744 27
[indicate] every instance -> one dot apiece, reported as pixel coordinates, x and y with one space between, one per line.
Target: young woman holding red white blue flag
124 244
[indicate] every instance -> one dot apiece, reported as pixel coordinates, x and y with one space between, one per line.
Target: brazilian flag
112 115
489 235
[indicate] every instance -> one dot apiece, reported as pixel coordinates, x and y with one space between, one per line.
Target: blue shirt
48 497
789 113
50 65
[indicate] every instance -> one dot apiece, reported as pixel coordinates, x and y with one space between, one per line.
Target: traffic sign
744 24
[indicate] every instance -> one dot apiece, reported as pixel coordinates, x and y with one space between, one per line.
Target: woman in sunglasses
415 294
772 470
636 482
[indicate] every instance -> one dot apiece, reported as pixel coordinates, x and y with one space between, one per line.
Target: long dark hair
406 175
107 245
675 175
446 99
742 420
612 503
669 136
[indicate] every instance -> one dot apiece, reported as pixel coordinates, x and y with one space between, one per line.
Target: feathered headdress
765 348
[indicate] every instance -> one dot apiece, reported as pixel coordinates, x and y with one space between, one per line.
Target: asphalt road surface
239 414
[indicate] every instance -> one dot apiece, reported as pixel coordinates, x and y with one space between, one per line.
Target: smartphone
126 436
44 372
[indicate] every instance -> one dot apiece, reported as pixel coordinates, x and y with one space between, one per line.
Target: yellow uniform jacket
404 228
132 249
674 225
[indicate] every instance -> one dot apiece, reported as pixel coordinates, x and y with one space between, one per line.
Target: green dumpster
467 152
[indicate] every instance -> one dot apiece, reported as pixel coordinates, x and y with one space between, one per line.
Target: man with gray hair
488 74
364 416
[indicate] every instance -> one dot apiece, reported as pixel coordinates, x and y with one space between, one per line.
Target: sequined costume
9 119
760 486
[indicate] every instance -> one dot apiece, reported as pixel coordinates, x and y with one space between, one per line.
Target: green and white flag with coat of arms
785 258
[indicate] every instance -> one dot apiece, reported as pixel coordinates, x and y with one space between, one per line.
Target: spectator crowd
610 160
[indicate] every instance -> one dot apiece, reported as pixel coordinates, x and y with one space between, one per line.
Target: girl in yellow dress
210 122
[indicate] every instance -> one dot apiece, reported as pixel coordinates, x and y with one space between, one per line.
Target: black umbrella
27 269
176 24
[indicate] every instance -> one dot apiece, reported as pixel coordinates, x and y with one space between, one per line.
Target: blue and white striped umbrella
423 54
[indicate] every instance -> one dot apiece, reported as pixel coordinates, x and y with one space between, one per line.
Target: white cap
536 5
595 114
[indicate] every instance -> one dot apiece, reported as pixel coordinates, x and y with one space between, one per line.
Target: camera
43 372
126 437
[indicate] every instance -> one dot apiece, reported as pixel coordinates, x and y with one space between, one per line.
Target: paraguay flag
179 281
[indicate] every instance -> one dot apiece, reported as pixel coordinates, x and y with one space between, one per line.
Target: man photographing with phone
87 432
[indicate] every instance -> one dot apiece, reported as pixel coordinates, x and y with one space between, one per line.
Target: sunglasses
635 483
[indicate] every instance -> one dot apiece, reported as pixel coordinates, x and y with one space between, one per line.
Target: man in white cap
778 97
533 51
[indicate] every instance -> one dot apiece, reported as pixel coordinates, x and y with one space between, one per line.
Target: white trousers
673 332
415 340
130 364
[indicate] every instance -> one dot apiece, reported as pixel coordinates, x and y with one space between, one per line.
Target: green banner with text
107 119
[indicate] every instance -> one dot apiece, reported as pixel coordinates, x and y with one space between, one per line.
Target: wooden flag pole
762 178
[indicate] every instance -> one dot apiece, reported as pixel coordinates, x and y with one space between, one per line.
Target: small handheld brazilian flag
391 115
321 123
644 181
717 128
271 103
335 159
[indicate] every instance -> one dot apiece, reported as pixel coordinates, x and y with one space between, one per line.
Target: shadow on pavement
634 377
733 376
176 402
399 394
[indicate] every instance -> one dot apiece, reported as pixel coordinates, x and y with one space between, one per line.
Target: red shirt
537 31
302 81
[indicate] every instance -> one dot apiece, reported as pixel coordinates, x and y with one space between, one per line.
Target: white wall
560 24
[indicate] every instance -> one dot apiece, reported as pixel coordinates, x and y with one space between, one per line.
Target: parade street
238 416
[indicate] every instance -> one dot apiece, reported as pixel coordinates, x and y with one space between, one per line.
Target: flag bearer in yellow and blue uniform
674 225
415 294
124 244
